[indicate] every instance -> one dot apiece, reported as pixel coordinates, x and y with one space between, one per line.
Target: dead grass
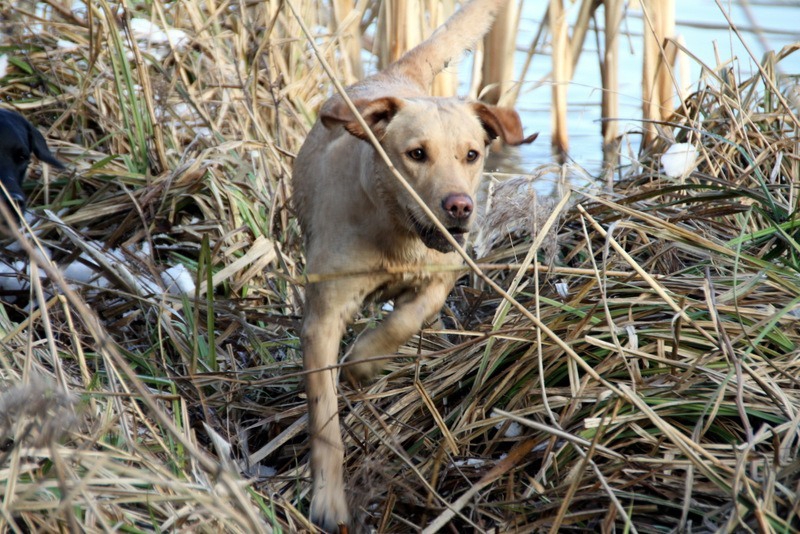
650 386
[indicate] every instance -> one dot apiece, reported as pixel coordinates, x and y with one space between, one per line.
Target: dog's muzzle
431 237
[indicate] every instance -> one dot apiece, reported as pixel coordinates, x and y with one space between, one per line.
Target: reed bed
641 376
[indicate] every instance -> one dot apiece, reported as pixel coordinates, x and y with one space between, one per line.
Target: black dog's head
18 140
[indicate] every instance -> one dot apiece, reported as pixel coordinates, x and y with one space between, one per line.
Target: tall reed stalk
346 24
403 25
658 83
561 76
612 16
499 46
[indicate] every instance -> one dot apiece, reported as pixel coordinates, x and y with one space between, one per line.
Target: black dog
18 140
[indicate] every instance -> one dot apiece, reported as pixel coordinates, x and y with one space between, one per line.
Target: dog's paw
329 509
361 372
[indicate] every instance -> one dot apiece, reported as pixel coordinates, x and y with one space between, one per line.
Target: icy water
763 25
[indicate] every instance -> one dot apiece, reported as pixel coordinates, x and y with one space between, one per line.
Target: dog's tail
459 33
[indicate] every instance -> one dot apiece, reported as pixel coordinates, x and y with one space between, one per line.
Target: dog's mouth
432 238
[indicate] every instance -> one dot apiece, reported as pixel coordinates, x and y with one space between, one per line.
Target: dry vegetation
642 374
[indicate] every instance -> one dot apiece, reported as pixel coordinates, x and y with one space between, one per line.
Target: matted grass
644 379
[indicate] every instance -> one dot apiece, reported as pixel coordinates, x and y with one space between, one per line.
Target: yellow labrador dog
356 216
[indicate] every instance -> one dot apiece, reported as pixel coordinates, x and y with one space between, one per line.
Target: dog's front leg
411 310
327 311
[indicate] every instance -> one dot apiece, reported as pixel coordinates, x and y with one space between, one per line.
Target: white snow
679 160
562 289
78 9
514 429
470 462
67 46
14 276
79 271
154 40
179 280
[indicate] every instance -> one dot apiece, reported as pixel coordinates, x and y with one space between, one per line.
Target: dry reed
650 385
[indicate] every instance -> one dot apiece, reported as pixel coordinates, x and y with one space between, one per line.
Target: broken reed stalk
612 12
665 76
403 25
499 45
398 30
658 87
446 82
562 74
345 24
580 29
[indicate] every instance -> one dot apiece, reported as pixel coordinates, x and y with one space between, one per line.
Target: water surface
763 26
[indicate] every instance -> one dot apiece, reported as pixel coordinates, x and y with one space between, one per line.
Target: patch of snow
262 471
13 276
152 39
514 429
679 160
562 289
470 462
80 272
78 9
144 251
143 28
179 280
66 46
146 286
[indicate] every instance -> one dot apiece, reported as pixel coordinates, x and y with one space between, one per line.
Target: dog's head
439 145
18 140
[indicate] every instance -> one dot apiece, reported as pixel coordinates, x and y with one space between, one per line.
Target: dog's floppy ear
39 147
503 123
377 113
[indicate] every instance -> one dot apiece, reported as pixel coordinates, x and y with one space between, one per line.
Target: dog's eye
472 155
417 154
20 156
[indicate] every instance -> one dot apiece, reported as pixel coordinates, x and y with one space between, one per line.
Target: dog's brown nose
459 206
